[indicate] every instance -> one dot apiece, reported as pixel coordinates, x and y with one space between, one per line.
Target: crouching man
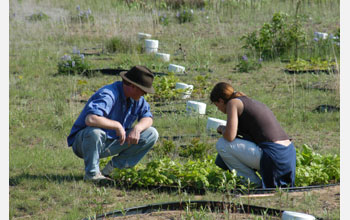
103 128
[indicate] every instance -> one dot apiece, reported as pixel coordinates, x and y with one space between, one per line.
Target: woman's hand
221 129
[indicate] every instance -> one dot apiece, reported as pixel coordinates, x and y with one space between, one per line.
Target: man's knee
152 134
94 133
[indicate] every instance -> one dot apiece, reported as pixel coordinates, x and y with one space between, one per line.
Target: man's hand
102 122
121 134
134 136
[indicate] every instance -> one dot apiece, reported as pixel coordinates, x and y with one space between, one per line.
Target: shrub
83 16
276 38
164 87
185 3
185 16
72 65
164 19
38 17
120 45
246 64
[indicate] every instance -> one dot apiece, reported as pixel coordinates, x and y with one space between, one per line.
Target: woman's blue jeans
91 144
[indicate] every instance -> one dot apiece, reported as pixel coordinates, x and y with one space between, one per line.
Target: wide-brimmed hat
141 77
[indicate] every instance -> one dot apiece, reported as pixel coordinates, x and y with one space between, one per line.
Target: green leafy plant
246 64
196 150
201 171
164 87
201 85
164 19
38 17
276 38
72 65
313 168
165 149
315 64
186 15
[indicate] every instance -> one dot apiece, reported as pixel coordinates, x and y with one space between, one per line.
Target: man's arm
102 122
134 135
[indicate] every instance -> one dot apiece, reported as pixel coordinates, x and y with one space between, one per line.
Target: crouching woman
253 140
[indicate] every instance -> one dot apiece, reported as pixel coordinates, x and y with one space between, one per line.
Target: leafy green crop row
312 169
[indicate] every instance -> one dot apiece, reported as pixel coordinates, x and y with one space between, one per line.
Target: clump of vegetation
168 147
325 47
164 19
38 17
314 168
201 171
164 87
282 35
72 65
186 15
196 150
315 64
246 64
120 45
185 3
83 16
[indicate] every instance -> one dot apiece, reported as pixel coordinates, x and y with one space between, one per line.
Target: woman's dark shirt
258 124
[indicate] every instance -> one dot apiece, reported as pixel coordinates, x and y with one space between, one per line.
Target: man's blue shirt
110 102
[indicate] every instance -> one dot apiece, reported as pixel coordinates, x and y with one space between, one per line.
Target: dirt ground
325 199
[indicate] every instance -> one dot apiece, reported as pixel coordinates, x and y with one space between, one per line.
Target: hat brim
145 89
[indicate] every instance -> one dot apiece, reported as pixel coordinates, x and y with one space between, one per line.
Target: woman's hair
224 91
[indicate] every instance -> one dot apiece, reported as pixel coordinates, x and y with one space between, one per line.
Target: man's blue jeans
92 143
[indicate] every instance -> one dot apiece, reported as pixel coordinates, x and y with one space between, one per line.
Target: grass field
46 178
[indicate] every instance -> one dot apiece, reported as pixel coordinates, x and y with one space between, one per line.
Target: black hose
213 206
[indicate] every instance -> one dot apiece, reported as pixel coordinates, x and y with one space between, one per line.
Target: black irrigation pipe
116 72
335 71
326 108
213 206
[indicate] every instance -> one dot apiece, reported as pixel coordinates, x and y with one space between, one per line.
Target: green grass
45 175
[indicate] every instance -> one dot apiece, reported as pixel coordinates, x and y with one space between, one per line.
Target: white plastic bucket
321 35
176 68
151 43
195 107
214 123
188 88
288 215
151 50
151 46
163 56
142 36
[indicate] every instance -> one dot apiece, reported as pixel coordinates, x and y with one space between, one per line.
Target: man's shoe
97 177
108 169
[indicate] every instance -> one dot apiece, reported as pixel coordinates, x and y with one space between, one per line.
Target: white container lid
163 56
214 123
194 106
288 215
176 68
151 43
142 36
180 85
